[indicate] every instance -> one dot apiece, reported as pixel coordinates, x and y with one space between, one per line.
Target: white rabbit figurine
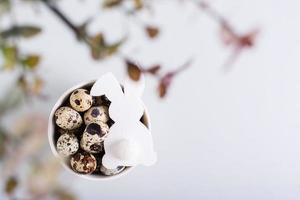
129 142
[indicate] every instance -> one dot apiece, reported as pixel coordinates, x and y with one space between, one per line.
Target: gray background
218 135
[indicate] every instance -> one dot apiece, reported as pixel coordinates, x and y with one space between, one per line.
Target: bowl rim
51 132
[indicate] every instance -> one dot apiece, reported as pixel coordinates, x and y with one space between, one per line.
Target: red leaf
162 90
164 84
247 40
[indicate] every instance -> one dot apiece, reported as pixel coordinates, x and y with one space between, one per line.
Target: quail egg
93 137
83 163
67 118
81 100
67 144
96 114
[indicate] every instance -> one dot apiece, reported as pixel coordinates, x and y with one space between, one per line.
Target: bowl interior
54 135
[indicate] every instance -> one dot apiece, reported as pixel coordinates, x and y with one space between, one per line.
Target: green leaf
2 142
113 48
98 40
99 48
9 56
25 31
31 61
111 3
97 44
5 6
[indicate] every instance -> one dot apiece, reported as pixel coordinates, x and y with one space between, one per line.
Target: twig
213 14
79 31
229 35
183 67
55 10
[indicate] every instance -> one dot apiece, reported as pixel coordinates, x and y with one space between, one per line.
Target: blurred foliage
2 142
31 86
11 184
137 4
99 47
4 6
10 56
31 61
152 31
134 72
25 31
153 69
111 3
25 64
64 195
11 99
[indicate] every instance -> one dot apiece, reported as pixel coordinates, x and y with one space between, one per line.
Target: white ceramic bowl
65 161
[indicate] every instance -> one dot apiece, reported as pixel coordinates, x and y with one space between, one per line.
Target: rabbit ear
107 85
135 88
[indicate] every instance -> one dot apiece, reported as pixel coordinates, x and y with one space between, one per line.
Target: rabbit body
129 141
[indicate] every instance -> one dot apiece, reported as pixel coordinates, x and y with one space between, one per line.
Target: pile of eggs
82 124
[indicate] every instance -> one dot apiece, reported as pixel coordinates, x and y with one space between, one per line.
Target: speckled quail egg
67 118
83 163
111 172
96 114
81 100
93 137
67 144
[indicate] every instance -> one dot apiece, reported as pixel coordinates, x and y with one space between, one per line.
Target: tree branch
55 10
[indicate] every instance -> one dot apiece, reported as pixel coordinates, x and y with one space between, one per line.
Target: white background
218 135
